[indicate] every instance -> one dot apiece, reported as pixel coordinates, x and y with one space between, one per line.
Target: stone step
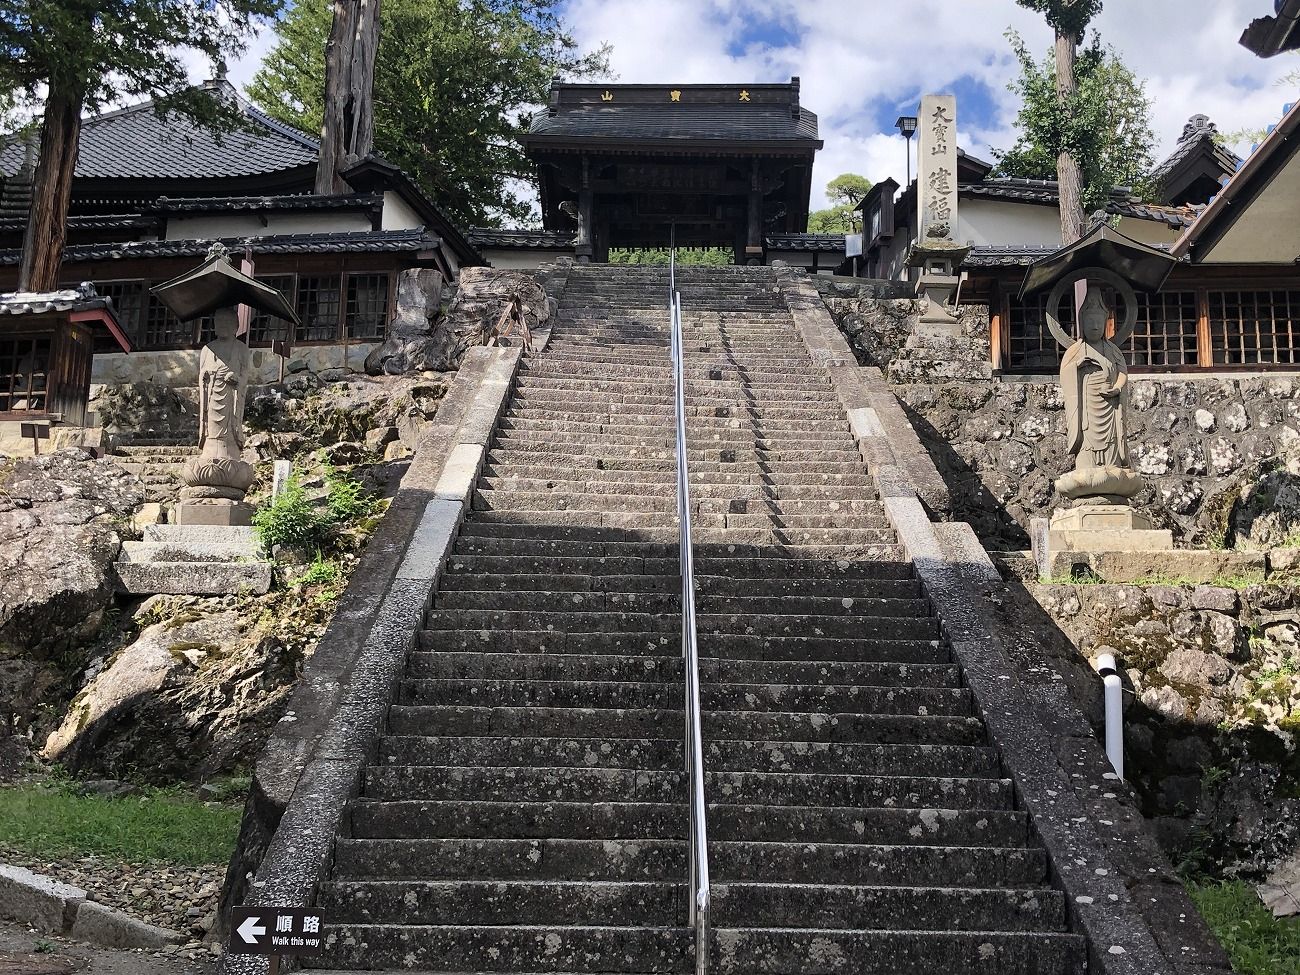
709 529
731 384
748 697
588 722
819 609
758 487
722 646
508 447
479 819
786 585
899 627
741 512
711 571
666 754
477 538
730 861
543 464
597 479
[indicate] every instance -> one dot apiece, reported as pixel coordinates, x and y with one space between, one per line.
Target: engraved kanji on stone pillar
937 169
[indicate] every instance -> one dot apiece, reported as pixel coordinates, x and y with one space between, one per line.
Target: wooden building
718 165
47 343
151 193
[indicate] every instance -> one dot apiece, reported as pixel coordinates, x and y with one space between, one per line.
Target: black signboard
276 931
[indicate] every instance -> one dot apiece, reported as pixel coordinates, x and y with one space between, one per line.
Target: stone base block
202 535
1105 528
193 578
1181 565
214 514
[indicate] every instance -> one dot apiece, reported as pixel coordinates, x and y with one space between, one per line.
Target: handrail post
697 839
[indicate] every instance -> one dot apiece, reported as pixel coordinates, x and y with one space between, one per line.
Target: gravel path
19 955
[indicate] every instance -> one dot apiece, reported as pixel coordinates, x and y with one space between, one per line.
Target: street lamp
907 126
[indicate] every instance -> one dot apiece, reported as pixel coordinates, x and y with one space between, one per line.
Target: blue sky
862 63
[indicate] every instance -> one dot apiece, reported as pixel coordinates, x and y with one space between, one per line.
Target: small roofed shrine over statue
217 480
707 165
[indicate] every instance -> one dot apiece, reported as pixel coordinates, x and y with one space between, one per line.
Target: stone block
461 470
193 578
432 540
1185 565
214 514
38 901
202 535
147 514
102 925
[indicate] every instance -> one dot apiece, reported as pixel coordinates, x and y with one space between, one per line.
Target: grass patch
1089 578
1257 942
155 825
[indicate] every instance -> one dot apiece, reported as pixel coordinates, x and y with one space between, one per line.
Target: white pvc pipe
1108 669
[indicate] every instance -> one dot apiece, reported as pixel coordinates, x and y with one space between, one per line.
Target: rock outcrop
59 521
193 695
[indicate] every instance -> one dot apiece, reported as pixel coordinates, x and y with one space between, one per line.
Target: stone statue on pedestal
1094 384
219 477
217 480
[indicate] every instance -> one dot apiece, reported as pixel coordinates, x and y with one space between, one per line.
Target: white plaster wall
250 225
1148 231
181 367
398 214
999 222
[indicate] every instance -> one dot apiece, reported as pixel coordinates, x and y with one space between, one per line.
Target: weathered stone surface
417 339
59 517
189 686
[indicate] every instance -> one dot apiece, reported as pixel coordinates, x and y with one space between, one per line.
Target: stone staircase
526 812
157 464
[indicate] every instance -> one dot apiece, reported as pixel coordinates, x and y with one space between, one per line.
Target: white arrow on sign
250 930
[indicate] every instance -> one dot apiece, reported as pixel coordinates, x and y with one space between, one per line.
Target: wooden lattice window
265 329
1250 328
161 328
367 310
1165 333
24 374
318 307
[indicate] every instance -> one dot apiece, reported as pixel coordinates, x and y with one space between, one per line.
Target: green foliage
455 82
322 572
346 499
109 50
844 193
1068 17
289 519
1105 126
691 257
52 820
1256 942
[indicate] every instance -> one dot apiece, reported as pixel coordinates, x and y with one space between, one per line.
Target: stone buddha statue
1094 384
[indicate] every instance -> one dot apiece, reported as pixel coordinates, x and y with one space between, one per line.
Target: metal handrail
698 877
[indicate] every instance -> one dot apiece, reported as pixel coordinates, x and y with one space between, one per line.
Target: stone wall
1221 452
1212 680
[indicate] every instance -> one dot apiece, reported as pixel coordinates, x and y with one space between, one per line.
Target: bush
347 500
289 519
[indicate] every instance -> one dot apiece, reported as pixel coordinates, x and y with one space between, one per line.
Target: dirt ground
19 955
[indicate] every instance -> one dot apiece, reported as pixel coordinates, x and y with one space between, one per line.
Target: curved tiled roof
137 143
1198 136
351 242
491 237
1045 191
297 201
693 123
822 243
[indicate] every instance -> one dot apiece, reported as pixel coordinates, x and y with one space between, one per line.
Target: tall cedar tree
455 84
1069 18
80 55
1106 127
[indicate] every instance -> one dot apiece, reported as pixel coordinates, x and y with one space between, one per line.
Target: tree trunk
348 130
1067 167
47 221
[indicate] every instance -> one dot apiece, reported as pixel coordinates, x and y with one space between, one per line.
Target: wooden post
348 129
46 233
754 231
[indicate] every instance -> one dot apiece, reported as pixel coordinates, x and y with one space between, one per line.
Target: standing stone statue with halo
217 480
1099 491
